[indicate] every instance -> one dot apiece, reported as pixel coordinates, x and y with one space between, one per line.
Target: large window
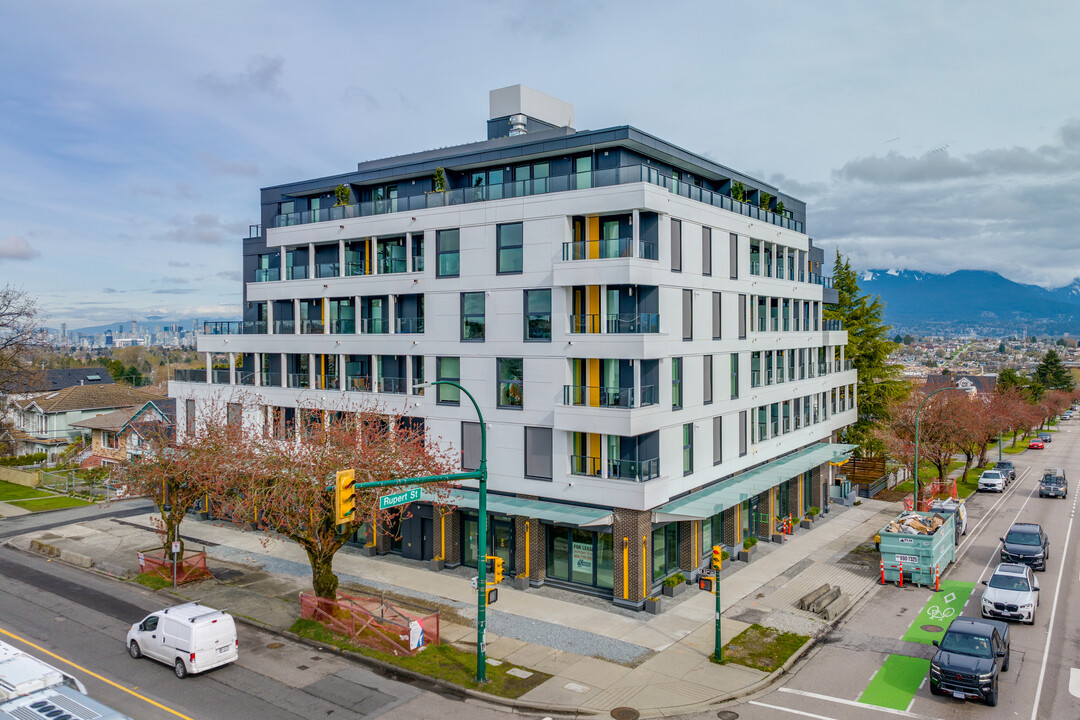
706 251
538 453
508 246
580 556
448 368
447 244
717 440
687 448
538 315
665 551
472 316
734 375
511 382
676 383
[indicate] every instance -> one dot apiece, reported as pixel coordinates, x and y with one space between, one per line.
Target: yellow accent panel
593 245
595 440
593 382
738 524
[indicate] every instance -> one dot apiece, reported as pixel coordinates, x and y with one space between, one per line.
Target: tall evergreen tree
868 349
1052 373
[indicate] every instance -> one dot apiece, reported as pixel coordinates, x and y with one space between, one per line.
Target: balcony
284 327
833 325
245 378
311 327
522 188
584 465
607 397
267 274
358 383
343 327
326 270
392 385
189 375
270 379
219 376
410 325
328 381
298 380
296 272
636 470
375 326
633 323
235 327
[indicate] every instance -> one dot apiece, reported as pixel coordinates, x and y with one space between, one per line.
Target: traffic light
492 596
717 556
498 562
344 497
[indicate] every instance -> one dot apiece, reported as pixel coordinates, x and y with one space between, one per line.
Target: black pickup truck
970 656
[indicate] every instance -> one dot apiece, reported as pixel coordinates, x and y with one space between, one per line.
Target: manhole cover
625 713
275 645
727 715
931 628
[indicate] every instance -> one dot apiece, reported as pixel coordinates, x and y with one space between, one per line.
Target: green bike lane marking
896 682
940 610
898 679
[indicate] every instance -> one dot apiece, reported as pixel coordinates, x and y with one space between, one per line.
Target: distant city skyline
134 138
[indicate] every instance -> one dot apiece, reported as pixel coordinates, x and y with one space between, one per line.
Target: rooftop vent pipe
517 124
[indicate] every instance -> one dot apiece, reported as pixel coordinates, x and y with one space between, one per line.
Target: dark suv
1026 543
1006 468
970 657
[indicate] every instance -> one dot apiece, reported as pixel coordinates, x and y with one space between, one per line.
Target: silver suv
1011 594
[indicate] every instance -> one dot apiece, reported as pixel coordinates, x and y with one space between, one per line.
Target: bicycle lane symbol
942 611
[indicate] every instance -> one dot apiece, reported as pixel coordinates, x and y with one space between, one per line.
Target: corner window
538 315
508 243
448 368
472 316
511 373
447 243
538 453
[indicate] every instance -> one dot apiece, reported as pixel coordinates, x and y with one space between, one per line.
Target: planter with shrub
652 605
808 521
747 553
674 585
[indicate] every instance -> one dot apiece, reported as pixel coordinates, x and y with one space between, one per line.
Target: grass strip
55 502
13 491
896 682
441 661
762 648
940 610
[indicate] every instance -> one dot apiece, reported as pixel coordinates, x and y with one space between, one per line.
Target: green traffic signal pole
718 653
915 505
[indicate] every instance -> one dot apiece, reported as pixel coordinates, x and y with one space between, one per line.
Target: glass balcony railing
633 323
392 385
848 365
357 267
328 381
823 280
584 323
299 380
284 327
219 376
375 326
343 327
358 383
235 327
832 325
559 183
755 378
418 263
245 378
410 324
296 272
311 327
604 249
598 396
189 375
584 465
267 274
390 265
636 470
327 270
270 379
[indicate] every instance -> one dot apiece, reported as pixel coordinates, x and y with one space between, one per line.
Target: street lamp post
915 505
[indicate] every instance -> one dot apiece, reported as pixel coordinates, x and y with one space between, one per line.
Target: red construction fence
929 491
374 622
191 567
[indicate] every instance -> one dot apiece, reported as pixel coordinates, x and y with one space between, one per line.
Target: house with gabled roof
43 422
118 436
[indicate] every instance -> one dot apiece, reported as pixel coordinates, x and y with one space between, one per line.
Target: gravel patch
787 622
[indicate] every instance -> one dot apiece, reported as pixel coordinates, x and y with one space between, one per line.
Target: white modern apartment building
641 326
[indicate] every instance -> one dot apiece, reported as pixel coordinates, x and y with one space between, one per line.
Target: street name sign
402 498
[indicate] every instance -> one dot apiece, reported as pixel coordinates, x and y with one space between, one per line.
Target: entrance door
502 541
427 529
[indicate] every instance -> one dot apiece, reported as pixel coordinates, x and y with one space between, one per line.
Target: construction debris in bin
912 524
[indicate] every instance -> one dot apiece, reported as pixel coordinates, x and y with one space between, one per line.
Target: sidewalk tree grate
931 628
625 713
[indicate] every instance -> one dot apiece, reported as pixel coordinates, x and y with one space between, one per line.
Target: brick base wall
631 526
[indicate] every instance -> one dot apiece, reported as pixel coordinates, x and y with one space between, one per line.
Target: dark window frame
526 315
706 251
499 248
676 245
440 252
550 453
440 389
483 296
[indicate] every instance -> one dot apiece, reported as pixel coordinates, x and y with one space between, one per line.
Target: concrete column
537 552
209 367
632 529
635 232
232 368
284 379
270 317
341 258
257 365
311 371
816 479
296 316
731 530
521 552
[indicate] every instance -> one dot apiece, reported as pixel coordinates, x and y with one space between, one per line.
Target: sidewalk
600 657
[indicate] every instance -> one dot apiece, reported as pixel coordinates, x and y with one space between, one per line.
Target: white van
191 637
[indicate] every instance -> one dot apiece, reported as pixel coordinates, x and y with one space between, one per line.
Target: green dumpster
922 558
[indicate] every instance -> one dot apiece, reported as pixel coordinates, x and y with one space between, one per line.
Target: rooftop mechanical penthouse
641 326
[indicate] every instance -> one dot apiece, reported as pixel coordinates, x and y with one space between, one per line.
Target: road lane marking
996 554
1050 629
968 543
1074 682
853 703
793 712
895 683
94 674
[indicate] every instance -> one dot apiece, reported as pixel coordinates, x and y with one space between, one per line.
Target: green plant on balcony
438 180
738 191
343 195
764 200
780 210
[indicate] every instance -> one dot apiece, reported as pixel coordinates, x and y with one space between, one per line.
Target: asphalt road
81 618
1045 657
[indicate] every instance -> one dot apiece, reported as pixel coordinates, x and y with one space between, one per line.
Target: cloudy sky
134 136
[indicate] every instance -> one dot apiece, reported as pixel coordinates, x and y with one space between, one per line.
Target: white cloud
16 248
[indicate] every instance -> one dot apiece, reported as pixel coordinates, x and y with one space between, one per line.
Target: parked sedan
1011 594
1036 444
1046 437
991 480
